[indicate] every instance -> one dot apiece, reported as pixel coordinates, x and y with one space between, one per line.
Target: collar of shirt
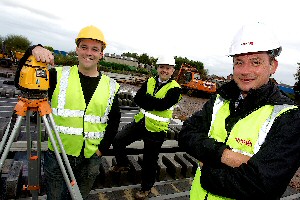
162 82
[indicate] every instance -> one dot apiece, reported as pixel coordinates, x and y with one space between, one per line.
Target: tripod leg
4 138
34 159
72 186
10 140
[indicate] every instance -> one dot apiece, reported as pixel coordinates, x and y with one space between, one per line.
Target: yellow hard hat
91 32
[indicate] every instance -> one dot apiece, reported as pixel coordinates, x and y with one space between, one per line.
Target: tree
144 58
131 55
199 65
1 42
72 53
297 85
16 43
49 48
297 75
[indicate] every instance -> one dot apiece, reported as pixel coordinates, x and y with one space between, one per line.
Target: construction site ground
175 168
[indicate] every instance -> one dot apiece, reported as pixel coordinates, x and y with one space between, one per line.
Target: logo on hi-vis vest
244 142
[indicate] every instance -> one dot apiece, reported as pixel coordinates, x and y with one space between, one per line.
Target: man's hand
233 159
43 55
98 153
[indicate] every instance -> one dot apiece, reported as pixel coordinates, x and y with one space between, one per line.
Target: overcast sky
196 29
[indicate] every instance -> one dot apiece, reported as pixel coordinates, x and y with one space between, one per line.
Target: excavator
192 83
7 60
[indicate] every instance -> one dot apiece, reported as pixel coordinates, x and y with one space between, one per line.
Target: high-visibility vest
256 126
77 123
156 121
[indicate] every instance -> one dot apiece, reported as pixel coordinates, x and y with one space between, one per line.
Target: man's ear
273 66
76 50
101 55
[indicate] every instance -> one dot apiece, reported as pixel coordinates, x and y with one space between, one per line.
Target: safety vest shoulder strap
277 111
219 102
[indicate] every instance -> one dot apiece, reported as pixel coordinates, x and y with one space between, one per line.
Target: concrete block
140 159
171 134
12 182
104 172
187 167
161 170
6 167
173 168
192 160
119 178
135 170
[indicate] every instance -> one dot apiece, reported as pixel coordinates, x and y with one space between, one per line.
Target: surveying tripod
26 104
22 109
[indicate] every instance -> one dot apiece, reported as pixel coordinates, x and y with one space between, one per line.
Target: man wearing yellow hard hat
85 110
247 137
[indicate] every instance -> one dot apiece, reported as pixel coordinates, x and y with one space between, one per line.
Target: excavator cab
190 80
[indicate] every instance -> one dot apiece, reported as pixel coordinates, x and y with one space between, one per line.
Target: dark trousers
84 169
152 145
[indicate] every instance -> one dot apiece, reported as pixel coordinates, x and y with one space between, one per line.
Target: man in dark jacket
156 99
247 137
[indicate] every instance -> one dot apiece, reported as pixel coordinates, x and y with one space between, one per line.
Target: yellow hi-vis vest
77 123
256 126
156 121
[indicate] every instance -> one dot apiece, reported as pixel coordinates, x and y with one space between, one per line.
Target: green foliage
153 72
142 71
297 90
117 66
199 65
144 58
1 41
297 85
132 55
68 60
16 43
72 53
297 75
49 48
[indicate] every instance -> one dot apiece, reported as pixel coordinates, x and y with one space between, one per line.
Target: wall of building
120 59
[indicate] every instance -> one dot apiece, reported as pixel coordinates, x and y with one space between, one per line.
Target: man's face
252 70
165 72
89 53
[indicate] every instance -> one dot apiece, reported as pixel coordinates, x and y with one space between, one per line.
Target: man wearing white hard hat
156 99
247 137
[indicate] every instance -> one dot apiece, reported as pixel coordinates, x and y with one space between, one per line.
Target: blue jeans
84 169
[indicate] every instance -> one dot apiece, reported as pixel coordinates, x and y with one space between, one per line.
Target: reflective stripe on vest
70 121
197 192
157 121
155 117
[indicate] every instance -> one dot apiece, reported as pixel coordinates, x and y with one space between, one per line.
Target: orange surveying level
34 83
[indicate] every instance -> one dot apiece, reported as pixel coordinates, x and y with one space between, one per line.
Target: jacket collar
267 94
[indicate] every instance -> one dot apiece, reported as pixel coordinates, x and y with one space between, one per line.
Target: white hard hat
254 38
166 60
